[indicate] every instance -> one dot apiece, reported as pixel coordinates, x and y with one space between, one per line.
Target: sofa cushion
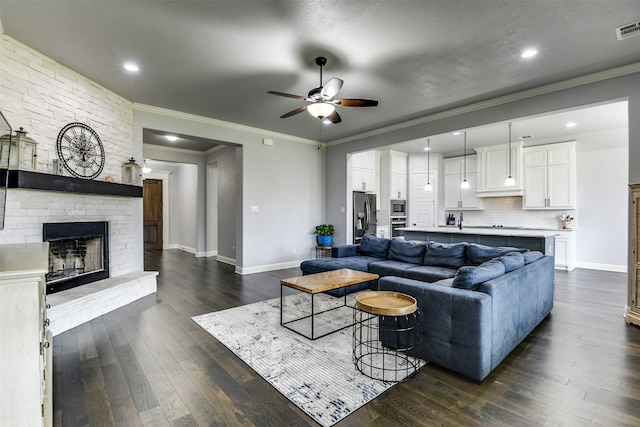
531 256
406 251
389 268
374 246
357 262
430 273
445 254
469 276
511 261
477 253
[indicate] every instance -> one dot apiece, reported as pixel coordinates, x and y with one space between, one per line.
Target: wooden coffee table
321 282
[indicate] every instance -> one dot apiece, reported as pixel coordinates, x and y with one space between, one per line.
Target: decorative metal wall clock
80 150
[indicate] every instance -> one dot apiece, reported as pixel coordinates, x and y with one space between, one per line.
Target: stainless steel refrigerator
364 215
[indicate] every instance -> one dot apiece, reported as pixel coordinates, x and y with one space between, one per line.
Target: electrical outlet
294 251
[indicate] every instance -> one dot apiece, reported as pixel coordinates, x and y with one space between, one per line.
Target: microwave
398 208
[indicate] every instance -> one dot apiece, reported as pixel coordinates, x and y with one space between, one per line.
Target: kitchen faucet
460 221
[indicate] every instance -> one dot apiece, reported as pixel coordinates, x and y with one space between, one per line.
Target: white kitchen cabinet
493 170
393 174
393 182
25 351
550 176
454 173
363 170
565 250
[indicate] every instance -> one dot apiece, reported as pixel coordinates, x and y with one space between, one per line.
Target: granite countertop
489 231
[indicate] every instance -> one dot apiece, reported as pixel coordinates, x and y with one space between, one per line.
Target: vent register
629 30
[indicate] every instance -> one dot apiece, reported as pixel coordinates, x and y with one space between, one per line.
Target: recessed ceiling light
130 66
171 138
427 148
571 125
529 53
456 133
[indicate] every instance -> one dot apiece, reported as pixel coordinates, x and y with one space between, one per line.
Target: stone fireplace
78 253
70 214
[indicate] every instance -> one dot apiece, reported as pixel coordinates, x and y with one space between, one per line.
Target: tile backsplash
508 212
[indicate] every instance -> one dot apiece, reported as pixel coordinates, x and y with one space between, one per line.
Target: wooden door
152 207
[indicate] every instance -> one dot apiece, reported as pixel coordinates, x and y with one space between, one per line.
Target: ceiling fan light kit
323 105
320 109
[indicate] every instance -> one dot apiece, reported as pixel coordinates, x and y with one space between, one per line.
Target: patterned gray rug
318 376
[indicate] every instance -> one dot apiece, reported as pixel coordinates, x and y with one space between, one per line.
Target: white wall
184 200
603 200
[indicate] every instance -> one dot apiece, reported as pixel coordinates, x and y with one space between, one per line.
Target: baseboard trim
224 259
605 267
268 267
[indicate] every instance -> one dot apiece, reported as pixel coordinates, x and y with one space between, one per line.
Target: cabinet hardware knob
48 306
46 322
45 344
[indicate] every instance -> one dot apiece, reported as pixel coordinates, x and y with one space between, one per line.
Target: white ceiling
219 58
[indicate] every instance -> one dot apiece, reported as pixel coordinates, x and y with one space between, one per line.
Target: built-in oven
396 223
398 208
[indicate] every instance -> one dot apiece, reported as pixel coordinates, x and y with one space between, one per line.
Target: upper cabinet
550 176
493 170
363 169
393 175
454 173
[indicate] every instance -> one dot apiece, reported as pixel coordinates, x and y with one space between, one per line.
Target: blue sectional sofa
477 303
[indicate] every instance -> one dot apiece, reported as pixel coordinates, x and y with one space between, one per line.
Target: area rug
318 376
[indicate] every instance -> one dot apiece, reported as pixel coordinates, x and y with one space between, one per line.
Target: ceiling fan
322 103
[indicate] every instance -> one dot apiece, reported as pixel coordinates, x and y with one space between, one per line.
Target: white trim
530 93
215 122
186 249
224 259
209 254
268 267
605 267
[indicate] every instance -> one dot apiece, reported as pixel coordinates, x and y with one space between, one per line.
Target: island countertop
486 231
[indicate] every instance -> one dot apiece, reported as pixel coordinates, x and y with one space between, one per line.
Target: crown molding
517 96
215 122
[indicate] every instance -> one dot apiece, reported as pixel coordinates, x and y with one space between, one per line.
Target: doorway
152 213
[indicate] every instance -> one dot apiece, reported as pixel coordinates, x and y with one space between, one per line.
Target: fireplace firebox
78 254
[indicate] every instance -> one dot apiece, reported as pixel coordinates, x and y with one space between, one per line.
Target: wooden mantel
43 181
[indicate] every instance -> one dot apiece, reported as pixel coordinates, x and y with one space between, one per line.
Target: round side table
386 335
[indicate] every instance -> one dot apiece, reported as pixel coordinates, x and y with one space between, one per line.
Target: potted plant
325 234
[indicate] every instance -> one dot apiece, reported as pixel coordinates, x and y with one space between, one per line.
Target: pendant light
465 184
427 186
510 182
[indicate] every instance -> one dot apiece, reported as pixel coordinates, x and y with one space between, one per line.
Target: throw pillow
445 254
374 246
477 253
511 261
406 251
469 276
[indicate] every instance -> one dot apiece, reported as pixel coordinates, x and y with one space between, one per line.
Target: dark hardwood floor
149 364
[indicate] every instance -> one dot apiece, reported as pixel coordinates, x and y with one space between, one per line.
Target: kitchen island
535 240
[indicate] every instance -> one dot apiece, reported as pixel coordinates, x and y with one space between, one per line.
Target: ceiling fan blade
294 112
334 117
331 88
355 102
288 95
